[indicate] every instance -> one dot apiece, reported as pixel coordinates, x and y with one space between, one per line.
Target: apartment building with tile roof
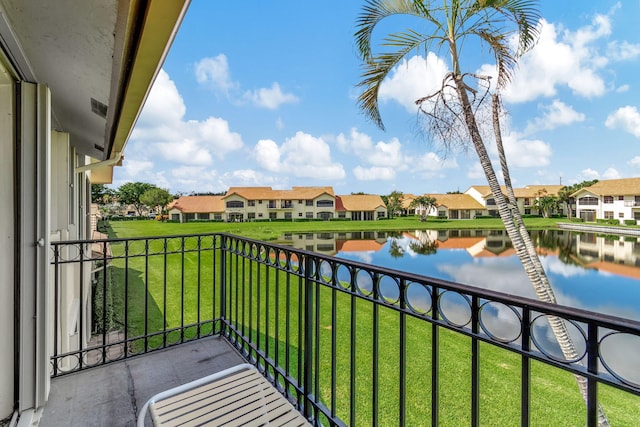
265 203
360 207
189 208
610 199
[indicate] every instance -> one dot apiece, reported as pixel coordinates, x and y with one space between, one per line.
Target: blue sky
257 93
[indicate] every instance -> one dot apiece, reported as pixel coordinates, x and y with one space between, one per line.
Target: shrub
630 222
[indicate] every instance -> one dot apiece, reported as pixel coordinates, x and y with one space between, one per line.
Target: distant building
361 207
611 199
264 203
190 208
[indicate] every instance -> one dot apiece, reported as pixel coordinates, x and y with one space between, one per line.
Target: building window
259 202
299 214
620 214
235 204
287 204
189 216
217 216
588 201
491 202
251 215
204 216
527 202
259 215
251 203
175 217
381 214
272 204
608 199
324 203
287 215
527 211
342 214
308 202
273 215
608 214
620 197
309 214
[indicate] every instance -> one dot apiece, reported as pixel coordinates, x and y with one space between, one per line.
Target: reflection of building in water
614 254
332 243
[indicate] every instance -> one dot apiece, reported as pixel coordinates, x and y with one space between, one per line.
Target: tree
546 203
453 114
393 202
156 197
564 195
424 205
101 194
130 192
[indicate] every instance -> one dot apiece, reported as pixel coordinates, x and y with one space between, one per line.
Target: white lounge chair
238 396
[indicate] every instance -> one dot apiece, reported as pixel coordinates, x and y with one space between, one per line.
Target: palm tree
424 204
452 112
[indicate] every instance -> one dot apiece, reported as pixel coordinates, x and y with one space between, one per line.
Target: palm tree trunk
516 230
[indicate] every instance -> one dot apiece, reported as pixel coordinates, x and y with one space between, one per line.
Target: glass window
273 215
235 204
608 199
324 203
608 214
308 202
251 203
588 201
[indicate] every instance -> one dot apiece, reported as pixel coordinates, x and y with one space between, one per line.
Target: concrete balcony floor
113 394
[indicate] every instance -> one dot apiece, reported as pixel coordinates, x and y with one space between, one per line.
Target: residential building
610 199
525 197
457 206
73 78
190 208
265 203
360 207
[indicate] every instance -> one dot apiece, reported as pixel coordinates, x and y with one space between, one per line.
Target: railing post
308 335
223 281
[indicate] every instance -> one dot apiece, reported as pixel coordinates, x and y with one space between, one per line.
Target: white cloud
622 51
525 153
475 172
590 174
270 98
554 115
215 74
413 79
162 128
635 161
611 173
626 118
429 164
250 178
303 156
267 155
623 88
374 173
560 58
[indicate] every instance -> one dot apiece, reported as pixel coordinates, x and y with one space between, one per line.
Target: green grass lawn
274 320
273 230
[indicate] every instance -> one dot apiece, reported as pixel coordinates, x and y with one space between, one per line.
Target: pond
600 273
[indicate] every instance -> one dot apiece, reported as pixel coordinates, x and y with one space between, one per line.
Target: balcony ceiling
98 57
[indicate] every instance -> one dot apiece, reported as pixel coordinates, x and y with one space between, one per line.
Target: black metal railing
347 342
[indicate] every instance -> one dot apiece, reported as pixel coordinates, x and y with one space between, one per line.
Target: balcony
347 343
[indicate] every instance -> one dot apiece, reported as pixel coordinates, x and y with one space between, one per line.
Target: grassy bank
555 397
272 230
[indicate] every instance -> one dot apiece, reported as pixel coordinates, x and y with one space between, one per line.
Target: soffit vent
99 108
98 147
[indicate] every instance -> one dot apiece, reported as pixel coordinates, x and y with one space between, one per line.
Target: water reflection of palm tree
395 250
424 248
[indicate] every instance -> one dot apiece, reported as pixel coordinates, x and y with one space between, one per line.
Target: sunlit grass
555 399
